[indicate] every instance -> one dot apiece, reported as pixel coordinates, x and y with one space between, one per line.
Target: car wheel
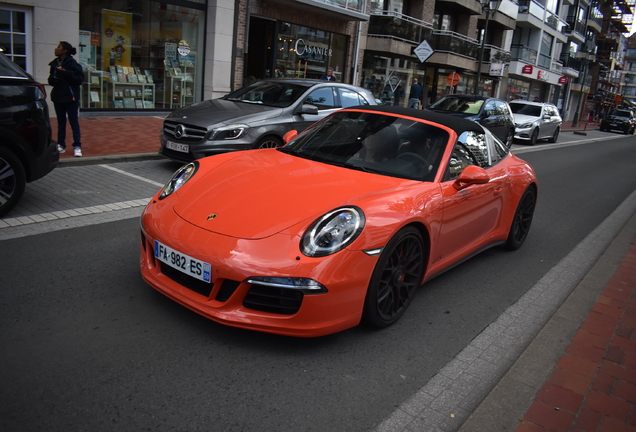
12 180
534 137
395 278
269 142
555 137
522 219
633 130
509 138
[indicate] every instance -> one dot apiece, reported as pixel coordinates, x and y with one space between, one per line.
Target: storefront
390 79
300 51
148 56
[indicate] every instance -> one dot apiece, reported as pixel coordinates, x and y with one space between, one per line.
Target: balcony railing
399 26
354 5
521 52
571 62
574 25
447 41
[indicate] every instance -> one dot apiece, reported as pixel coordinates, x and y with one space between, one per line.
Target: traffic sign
453 79
423 51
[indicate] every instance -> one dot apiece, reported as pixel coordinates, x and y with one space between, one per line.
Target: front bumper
231 300
199 150
523 134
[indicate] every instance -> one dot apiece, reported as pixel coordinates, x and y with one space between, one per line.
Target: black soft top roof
458 124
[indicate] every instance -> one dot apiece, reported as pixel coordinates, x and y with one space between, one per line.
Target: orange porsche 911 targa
339 226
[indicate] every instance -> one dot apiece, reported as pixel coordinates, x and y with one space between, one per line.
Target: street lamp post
489 8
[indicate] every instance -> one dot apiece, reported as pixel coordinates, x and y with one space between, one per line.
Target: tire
396 277
269 142
509 138
555 136
522 219
534 137
12 180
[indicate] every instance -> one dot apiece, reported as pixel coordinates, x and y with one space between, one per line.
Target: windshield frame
278 94
374 142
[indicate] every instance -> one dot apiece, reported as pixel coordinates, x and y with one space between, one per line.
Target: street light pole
486 9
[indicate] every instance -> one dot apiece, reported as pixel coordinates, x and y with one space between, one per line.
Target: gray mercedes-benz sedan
254 116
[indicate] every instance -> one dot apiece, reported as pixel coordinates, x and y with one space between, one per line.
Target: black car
494 114
621 119
254 116
27 152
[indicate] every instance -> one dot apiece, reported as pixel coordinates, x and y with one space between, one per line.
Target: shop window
13 35
148 56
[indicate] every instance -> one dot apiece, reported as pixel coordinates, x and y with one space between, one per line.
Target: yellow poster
116 34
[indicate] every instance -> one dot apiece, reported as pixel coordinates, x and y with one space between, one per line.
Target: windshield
275 94
456 104
621 113
525 109
372 142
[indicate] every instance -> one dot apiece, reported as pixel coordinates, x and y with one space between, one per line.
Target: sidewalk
126 134
593 385
113 135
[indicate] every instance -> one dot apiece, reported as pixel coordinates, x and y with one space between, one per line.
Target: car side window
322 98
502 109
471 149
490 109
349 98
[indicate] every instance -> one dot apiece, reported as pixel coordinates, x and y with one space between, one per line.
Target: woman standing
66 77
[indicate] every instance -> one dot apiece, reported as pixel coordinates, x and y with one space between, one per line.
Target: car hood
523 118
260 193
215 111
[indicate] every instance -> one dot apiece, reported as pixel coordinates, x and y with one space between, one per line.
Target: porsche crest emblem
212 216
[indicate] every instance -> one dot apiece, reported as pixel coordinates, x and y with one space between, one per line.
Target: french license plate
186 264
184 148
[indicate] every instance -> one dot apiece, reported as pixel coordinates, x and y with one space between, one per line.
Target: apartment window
545 52
13 34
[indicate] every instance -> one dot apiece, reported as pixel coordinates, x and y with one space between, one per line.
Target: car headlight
333 232
526 125
180 177
230 132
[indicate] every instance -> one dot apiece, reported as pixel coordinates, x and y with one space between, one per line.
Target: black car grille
196 285
188 133
274 300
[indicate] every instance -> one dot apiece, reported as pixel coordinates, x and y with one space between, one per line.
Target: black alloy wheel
555 136
522 219
396 277
269 142
12 180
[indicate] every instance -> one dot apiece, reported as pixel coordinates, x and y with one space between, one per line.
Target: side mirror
289 136
308 109
471 175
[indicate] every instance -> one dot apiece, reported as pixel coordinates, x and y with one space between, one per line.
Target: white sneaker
60 149
77 152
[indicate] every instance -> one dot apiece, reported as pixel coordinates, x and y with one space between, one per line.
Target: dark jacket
66 84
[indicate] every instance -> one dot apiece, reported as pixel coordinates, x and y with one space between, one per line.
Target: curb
96 160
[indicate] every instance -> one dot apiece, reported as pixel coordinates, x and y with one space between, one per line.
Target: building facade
143 54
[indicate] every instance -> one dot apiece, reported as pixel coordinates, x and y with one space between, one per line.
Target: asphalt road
87 345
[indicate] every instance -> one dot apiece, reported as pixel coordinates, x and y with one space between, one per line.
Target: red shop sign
563 80
527 69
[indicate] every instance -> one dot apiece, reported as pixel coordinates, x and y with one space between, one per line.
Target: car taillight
42 91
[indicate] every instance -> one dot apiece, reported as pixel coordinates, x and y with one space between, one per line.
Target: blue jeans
72 110
414 103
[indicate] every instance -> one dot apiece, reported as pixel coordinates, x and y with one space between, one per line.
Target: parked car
535 121
621 119
27 152
340 225
495 114
255 116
